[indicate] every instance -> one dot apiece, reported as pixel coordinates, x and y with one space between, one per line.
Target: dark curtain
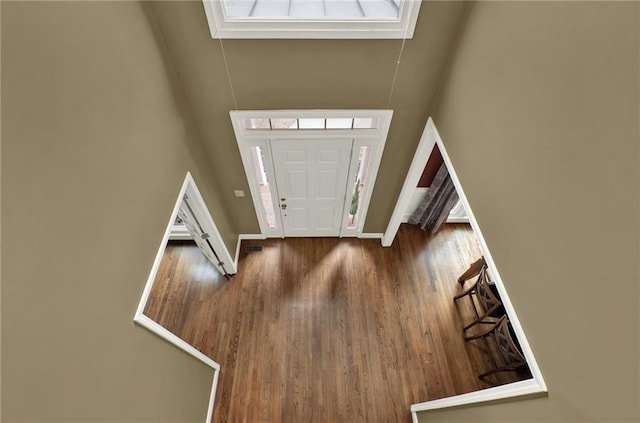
441 197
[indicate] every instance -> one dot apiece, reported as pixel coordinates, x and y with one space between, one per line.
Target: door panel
299 219
297 183
311 177
328 183
325 218
328 156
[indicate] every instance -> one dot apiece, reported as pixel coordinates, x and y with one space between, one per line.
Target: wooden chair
486 303
505 352
472 271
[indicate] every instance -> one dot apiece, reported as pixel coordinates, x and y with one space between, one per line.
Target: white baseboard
251 236
458 220
371 235
179 233
458 214
531 386
159 330
242 237
149 324
180 237
510 390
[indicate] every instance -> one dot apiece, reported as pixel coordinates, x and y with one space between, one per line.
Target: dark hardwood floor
328 330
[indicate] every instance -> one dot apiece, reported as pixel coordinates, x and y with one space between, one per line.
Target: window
311 9
312 18
262 180
260 124
361 136
357 189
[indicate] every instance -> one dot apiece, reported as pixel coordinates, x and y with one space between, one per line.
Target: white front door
311 178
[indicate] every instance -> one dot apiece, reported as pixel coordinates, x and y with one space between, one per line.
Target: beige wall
96 141
309 74
540 117
539 114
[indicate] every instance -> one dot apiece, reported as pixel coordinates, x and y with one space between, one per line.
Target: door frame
428 141
430 138
188 187
247 139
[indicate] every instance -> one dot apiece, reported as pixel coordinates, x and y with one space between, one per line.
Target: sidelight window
358 186
262 182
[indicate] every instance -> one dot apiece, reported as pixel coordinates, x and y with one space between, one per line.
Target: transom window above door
310 123
351 122
312 18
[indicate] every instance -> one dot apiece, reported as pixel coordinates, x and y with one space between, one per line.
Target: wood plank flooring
328 330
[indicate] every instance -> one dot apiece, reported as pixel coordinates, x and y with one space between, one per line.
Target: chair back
507 348
486 298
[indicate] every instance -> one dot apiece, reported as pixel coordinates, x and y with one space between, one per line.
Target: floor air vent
253 249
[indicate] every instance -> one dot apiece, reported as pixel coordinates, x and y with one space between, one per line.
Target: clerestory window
312 18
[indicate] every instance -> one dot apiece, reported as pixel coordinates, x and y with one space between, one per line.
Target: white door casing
311 179
188 214
256 141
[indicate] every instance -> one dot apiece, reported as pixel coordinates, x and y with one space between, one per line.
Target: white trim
515 389
156 263
207 222
534 385
222 27
506 301
242 237
154 327
180 237
372 172
425 146
458 220
383 114
179 233
375 139
458 214
140 318
251 236
416 199
247 156
346 202
162 332
212 395
370 235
